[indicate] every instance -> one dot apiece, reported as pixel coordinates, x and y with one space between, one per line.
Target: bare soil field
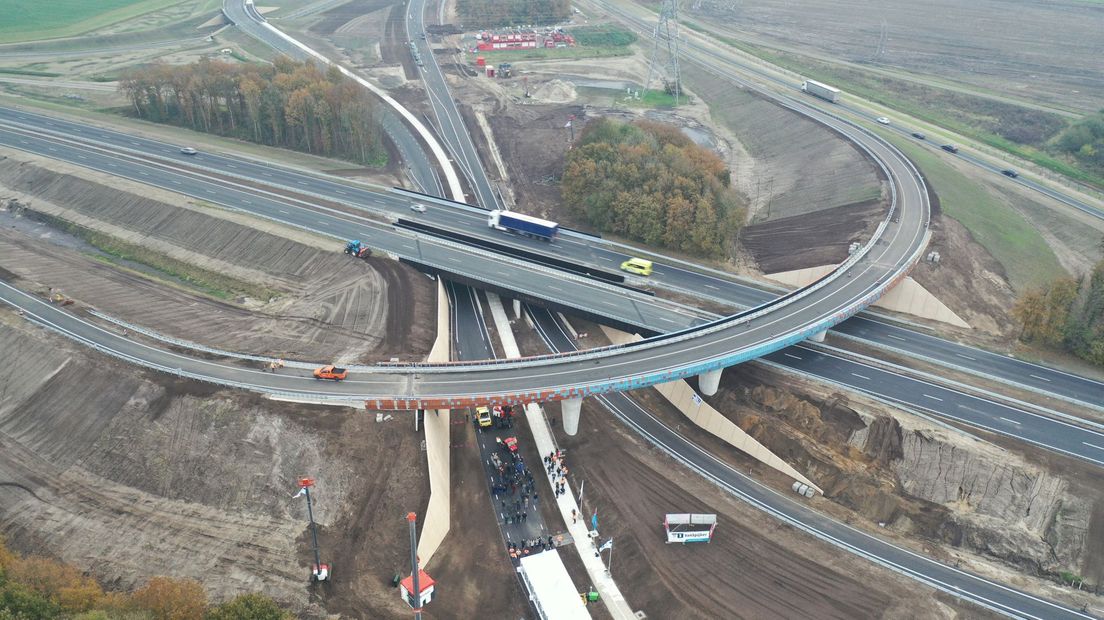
328 306
128 475
811 240
1047 53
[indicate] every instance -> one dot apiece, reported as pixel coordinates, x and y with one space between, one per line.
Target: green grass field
27 20
1012 240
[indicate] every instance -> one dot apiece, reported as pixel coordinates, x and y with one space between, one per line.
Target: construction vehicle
509 444
504 70
483 416
330 372
357 249
523 224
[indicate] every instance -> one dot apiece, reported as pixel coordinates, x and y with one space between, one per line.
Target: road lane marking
791 355
1040 378
609 303
897 338
1012 421
553 288
933 397
248 202
712 287
972 359
455 260
177 182
1093 445
284 212
341 192
855 374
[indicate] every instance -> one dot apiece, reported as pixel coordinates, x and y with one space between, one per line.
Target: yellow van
638 266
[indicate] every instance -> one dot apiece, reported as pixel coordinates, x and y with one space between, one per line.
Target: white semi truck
823 91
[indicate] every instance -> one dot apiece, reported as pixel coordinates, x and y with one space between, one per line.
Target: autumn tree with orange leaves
289 104
648 182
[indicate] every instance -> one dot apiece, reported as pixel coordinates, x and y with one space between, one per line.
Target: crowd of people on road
514 488
557 471
528 546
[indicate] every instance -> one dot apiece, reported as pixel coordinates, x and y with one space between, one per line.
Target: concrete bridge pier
709 382
819 336
571 409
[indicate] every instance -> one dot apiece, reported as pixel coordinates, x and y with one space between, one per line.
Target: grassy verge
1027 259
119 253
978 118
556 53
28 72
29 20
652 99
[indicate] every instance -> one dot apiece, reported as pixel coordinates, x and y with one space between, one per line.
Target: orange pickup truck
331 372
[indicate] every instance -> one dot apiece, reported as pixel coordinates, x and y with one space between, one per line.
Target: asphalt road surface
658 317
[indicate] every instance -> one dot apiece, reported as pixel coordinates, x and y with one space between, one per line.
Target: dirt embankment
921 480
326 305
131 474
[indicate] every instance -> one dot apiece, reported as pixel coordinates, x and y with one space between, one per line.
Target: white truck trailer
823 91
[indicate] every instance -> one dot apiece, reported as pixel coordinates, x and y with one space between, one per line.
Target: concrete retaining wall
435 524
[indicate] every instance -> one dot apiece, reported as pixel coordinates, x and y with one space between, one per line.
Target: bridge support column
571 409
819 336
708 382
517 308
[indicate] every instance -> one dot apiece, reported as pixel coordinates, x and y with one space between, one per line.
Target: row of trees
490 13
1084 140
649 182
33 588
1066 314
289 104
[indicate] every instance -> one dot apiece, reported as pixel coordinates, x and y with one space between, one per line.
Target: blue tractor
357 249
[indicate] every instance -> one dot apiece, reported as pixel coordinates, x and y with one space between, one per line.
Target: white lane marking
609 303
323 222
300 182
667 320
248 202
284 212
81 157
933 397
1093 445
455 260
791 355
341 192
553 288
855 374
266 174
143 173
1012 421
231 166
177 182
712 287
612 260
967 357
1040 378
897 338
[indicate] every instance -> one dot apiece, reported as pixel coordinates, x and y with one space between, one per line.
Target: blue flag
594 520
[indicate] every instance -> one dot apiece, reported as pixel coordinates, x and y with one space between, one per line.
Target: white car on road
418 208
883 120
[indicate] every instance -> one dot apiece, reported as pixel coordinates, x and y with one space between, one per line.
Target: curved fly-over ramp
703 350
